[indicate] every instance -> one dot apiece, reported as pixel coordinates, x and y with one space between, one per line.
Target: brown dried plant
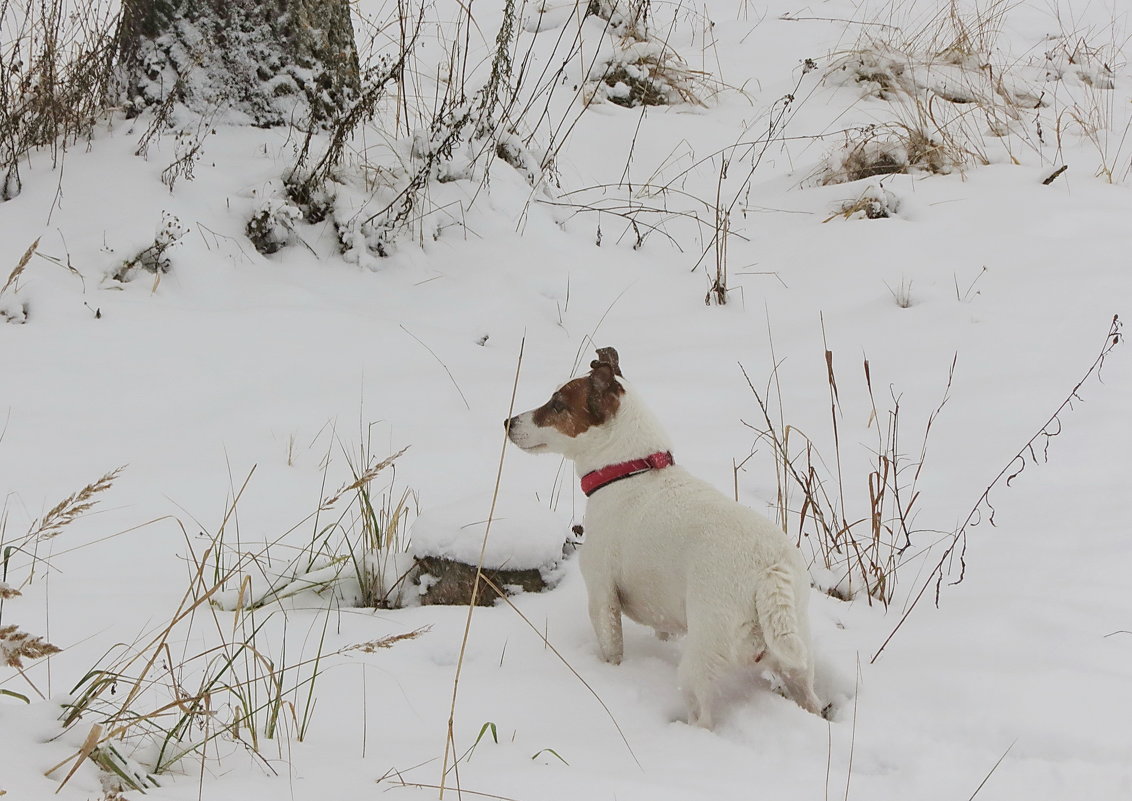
387 642
14 277
360 480
72 507
16 646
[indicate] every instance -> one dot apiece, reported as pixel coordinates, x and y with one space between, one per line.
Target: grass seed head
16 646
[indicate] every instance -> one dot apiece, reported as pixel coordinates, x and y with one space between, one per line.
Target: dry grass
902 293
874 203
373 646
16 646
150 708
954 86
50 525
456 121
930 136
945 78
361 480
56 78
645 70
856 536
17 271
72 507
354 552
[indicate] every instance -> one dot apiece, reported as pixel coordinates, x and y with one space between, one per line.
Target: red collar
596 479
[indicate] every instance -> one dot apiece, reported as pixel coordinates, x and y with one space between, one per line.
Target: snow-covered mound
524 535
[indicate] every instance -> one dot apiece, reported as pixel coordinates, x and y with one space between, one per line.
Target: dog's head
574 412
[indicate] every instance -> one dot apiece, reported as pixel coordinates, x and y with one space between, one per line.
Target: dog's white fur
672 552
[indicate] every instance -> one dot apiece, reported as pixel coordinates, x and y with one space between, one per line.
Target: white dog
669 550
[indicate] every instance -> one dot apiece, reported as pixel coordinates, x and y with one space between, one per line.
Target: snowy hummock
524 535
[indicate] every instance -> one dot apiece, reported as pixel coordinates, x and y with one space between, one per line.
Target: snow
241 390
523 535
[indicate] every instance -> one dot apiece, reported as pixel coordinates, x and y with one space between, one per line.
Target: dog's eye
557 405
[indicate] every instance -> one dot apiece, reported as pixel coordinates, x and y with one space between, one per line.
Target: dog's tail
778 617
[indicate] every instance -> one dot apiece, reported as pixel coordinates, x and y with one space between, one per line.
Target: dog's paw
610 657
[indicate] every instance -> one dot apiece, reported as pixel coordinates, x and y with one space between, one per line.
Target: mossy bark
452 582
272 62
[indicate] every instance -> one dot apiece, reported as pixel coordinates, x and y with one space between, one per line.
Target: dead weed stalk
56 78
16 645
52 524
859 551
1035 451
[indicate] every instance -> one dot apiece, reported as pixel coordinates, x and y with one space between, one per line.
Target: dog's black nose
507 422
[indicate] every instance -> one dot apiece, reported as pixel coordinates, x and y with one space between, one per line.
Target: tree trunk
269 63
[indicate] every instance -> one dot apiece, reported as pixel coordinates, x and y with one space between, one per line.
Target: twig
442 364
404 783
1009 473
853 736
991 772
542 636
788 18
1053 175
450 741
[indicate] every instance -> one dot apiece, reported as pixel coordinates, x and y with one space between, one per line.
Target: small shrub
628 17
877 150
948 90
155 257
188 147
643 69
875 203
272 227
632 85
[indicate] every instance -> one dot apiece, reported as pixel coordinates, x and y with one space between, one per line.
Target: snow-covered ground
268 380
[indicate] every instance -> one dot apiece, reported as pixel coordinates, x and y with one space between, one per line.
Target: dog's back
682 549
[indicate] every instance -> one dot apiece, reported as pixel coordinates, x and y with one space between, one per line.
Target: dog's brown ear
604 393
602 377
607 356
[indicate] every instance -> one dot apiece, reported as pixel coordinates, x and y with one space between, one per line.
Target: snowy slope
266 377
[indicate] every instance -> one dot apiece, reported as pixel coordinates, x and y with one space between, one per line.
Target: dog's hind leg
699 668
799 686
605 615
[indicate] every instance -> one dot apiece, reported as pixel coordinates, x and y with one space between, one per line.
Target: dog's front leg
605 614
